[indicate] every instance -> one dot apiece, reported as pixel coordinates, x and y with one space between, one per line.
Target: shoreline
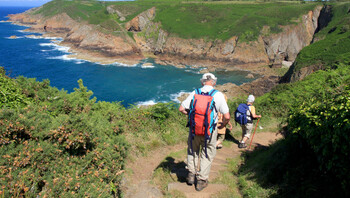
231 89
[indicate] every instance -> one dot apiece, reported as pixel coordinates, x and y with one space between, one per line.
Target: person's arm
230 125
182 110
225 120
186 104
253 113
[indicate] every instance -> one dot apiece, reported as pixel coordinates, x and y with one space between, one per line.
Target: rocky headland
141 37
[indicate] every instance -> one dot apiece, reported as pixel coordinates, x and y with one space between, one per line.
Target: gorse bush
71 152
61 144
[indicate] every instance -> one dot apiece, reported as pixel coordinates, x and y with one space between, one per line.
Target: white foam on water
174 97
17 37
79 61
55 47
192 71
42 37
62 48
146 103
147 66
67 58
119 64
25 32
47 44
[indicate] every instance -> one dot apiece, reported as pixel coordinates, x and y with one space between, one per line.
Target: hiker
222 132
202 148
248 127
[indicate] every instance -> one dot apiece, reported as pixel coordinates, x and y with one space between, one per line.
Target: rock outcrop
149 39
272 49
82 37
286 45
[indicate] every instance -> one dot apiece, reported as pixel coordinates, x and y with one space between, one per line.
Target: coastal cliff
269 48
148 39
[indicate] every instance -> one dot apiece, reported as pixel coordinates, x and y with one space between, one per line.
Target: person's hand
230 126
221 125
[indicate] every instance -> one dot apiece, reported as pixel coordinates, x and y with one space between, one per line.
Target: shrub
11 95
325 125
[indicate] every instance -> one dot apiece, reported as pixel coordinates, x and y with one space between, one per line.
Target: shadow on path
179 168
229 137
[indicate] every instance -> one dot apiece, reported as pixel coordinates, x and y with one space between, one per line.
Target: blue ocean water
41 58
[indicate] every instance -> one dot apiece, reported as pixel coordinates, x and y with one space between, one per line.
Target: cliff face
287 45
82 37
149 38
268 49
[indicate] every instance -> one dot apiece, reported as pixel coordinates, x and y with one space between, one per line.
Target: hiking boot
190 178
201 184
242 145
219 146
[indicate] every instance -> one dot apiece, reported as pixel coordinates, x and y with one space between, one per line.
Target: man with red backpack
202 107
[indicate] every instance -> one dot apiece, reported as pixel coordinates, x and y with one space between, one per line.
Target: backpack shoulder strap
213 92
198 91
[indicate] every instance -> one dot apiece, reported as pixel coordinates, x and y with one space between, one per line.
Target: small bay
30 55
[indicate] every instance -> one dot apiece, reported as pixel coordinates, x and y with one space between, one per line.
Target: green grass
222 21
215 20
334 46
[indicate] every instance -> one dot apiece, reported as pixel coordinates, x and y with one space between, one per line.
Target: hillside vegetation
333 46
313 159
187 19
57 144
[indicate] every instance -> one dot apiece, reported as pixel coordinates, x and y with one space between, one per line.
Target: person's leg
192 158
205 162
220 140
246 132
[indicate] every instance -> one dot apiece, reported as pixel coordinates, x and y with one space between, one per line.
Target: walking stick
253 133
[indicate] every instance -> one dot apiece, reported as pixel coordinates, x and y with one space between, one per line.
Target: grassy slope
222 21
334 48
214 20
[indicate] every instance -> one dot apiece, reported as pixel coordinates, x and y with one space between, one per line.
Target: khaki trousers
198 157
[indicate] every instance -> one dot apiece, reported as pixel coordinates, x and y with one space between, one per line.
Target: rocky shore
90 42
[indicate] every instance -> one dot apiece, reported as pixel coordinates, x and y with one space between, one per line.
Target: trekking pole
253 134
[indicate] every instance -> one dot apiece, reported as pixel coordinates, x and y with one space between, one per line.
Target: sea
33 56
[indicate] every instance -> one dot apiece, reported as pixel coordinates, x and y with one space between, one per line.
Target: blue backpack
241 114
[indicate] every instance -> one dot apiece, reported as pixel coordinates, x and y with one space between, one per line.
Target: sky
30 3
23 3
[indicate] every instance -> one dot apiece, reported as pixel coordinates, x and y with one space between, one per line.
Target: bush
57 144
325 126
11 95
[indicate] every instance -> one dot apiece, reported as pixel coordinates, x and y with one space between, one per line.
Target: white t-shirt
219 99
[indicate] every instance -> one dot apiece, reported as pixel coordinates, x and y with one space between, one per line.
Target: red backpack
201 115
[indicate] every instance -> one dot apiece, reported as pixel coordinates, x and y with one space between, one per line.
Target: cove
33 56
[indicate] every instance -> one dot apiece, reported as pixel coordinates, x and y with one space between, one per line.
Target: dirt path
139 186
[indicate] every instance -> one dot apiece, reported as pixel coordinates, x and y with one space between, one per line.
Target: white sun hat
208 76
250 98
